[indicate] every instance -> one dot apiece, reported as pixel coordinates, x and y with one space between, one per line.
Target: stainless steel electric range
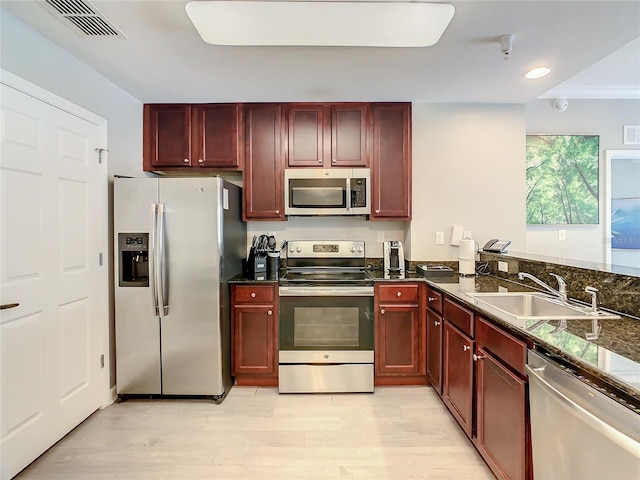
326 319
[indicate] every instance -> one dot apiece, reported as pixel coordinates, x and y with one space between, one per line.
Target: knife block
256 263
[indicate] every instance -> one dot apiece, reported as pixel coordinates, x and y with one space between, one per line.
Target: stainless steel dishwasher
578 432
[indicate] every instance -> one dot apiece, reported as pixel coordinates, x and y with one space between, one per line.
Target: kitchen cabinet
501 401
264 163
328 135
179 137
255 334
400 340
457 360
391 162
435 330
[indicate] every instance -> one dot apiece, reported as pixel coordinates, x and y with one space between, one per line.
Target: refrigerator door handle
162 292
152 258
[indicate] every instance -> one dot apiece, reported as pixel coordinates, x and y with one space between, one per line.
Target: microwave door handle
348 194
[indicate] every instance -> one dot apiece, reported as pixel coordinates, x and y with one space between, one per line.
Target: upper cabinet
328 135
263 173
181 137
391 162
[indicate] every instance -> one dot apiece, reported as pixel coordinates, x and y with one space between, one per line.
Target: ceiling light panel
353 24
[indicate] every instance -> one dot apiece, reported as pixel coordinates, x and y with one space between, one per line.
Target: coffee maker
393 258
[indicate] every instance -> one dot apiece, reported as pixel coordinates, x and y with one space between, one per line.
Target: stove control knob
359 249
298 249
292 249
353 249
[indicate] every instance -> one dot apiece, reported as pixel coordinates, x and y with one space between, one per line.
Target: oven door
326 318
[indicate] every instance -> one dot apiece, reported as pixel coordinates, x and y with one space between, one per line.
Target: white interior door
53 228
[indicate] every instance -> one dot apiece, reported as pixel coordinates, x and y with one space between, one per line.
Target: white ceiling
163 59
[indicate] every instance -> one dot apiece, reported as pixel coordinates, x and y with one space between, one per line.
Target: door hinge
100 259
102 361
100 150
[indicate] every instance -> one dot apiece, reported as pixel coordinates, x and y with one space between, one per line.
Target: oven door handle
320 291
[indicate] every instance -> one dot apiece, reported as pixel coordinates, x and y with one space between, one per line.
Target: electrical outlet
562 234
380 237
503 266
439 238
467 235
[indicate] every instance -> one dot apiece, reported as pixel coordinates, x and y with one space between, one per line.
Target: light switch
562 234
439 238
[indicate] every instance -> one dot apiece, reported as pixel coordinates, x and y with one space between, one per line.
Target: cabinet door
217 133
434 350
306 135
500 413
264 162
398 340
391 163
167 136
254 339
458 376
349 135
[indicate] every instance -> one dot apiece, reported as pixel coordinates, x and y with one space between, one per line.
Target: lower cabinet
254 334
457 392
400 336
435 328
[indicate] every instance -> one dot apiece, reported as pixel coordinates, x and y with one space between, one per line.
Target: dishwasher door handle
615 436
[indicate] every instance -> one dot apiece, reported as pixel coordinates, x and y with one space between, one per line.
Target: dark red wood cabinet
180 137
264 163
400 339
435 330
254 334
328 135
391 162
457 388
501 402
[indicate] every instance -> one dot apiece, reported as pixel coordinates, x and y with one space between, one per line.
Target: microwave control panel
358 192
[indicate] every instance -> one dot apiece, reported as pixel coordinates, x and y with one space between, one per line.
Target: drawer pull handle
436 323
269 312
319 160
465 348
382 311
253 294
377 210
431 299
186 160
200 160
477 357
399 294
277 212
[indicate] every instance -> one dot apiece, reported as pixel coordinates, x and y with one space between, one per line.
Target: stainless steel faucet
561 293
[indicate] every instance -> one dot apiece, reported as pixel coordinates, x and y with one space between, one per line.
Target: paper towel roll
467 250
467 257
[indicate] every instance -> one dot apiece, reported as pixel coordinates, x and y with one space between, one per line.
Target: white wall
468 170
599 117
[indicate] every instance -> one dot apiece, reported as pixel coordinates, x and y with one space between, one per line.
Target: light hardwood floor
397 433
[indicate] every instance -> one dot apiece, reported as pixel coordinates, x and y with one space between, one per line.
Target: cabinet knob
333 161
200 160
186 160
382 311
320 161
431 299
277 212
269 312
477 357
436 323
378 210
399 294
465 348
253 294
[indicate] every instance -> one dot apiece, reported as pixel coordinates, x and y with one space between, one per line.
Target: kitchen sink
537 306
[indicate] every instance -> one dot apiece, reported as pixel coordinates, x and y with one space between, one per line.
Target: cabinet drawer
501 344
254 294
434 300
459 316
398 293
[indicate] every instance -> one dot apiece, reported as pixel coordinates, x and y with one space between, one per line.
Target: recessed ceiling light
538 72
313 23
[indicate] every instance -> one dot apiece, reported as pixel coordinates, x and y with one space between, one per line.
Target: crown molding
594 92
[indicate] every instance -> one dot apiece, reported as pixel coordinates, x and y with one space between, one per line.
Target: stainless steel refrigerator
177 243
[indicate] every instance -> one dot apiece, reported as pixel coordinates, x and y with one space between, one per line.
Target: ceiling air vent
84 16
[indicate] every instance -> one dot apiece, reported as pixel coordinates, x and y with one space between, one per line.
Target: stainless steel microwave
327 191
